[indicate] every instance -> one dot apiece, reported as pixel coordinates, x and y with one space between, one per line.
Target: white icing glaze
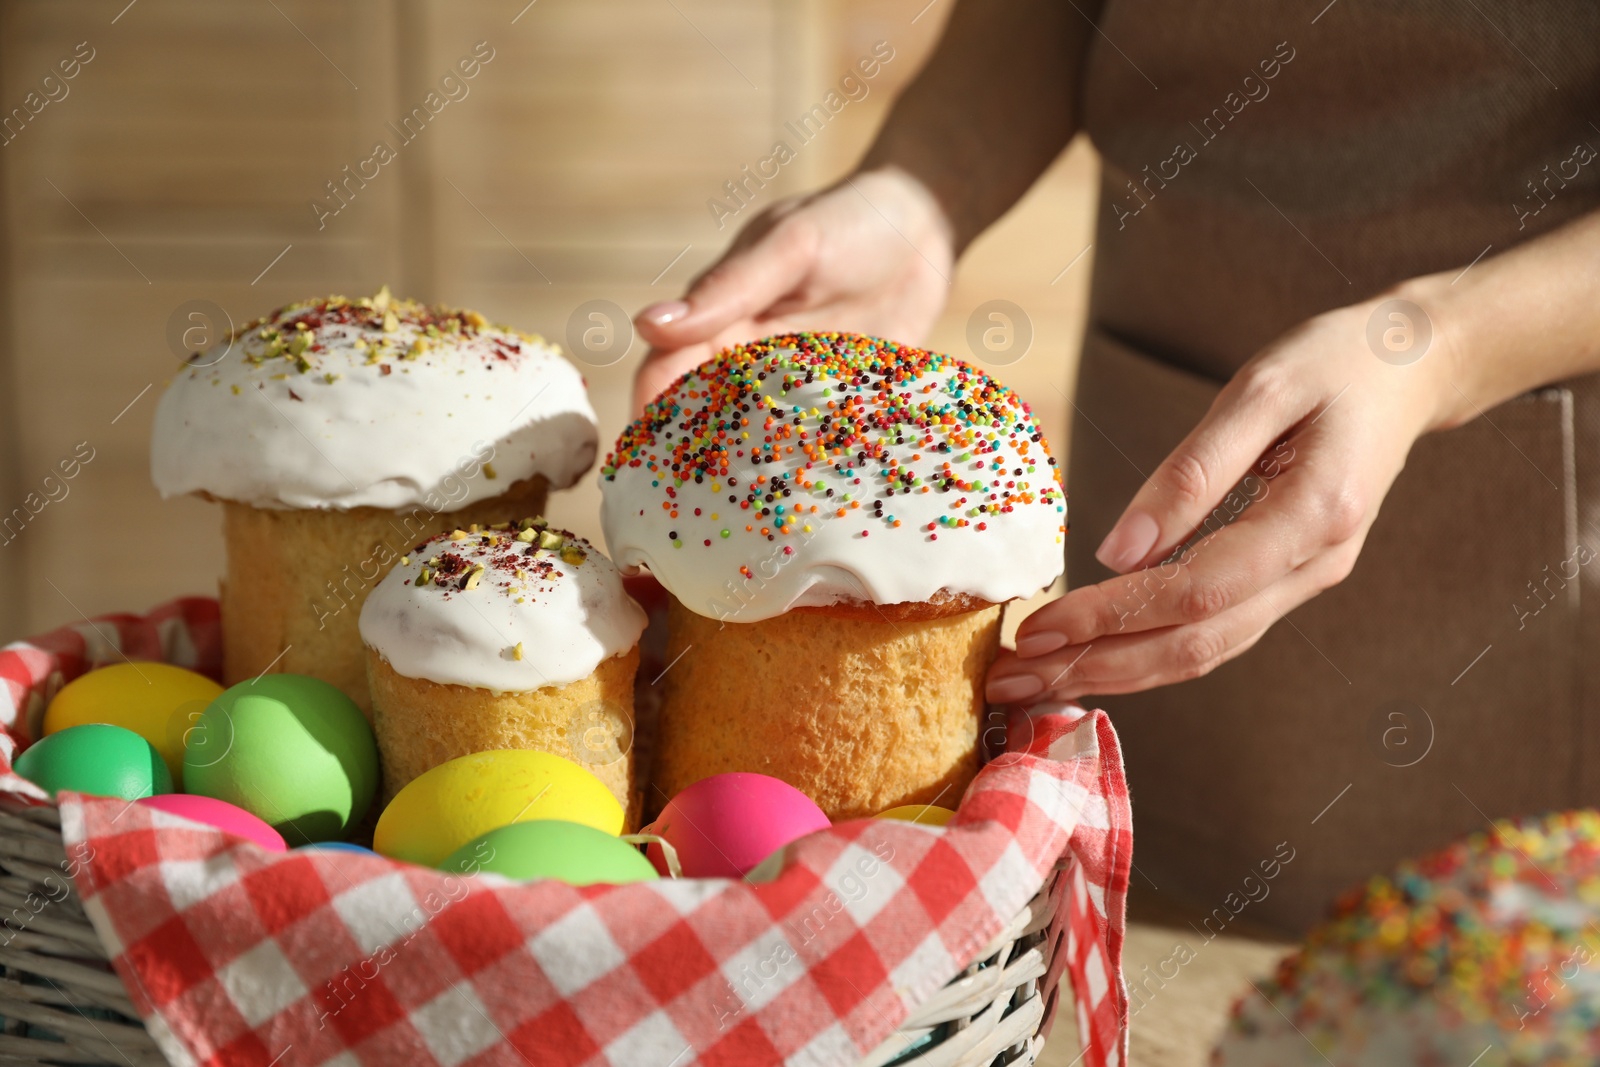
392 429
572 615
823 557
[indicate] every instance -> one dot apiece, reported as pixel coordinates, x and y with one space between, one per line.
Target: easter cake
839 521
337 433
1486 953
516 635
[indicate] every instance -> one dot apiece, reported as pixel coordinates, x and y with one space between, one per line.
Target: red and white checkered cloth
238 957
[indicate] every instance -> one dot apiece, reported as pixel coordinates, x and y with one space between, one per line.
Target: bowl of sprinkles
839 520
1486 953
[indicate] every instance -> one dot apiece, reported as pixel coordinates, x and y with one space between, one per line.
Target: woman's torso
1391 140
1267 161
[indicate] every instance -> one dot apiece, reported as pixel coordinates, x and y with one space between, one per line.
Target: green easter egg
291 750
97 758
552 848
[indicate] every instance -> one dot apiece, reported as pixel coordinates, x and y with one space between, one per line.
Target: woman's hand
1310 434
873 254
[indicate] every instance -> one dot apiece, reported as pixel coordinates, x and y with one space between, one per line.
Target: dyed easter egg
219 813
157 701
97 758
442 809
293 751
551 848
924 814
725 825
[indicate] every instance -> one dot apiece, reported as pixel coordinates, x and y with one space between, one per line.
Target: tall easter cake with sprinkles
516 635
337 433
839 520
1485 954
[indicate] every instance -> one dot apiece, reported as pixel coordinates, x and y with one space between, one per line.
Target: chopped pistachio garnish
527 536
474 576
458 535
488 471
549 539
572 554
424 577
405 561
516 651
391 322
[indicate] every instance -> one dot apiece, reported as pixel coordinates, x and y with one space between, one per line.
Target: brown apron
1450 678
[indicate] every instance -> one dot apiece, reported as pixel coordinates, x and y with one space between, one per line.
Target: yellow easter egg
439 811
926 814
157 701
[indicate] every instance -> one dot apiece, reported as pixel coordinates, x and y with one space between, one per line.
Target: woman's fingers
1255 410
1280 526
1124 663
741 287
725 305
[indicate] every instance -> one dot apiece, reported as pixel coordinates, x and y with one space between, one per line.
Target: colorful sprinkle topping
810 428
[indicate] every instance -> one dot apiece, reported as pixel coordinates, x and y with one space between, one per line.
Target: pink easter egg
219 813
725 825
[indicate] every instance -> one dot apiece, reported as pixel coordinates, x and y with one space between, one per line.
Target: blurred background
183 161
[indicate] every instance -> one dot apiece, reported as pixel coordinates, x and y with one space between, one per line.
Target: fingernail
1016 687
1040 643
664 312
1128 542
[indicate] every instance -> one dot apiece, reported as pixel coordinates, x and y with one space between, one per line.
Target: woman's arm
993 106
1520 320
1323 418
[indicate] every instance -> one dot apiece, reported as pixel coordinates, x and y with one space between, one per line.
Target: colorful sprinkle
886 406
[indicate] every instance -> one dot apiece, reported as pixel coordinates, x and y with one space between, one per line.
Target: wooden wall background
183 159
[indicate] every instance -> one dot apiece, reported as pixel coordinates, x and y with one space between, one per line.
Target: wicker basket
63 1004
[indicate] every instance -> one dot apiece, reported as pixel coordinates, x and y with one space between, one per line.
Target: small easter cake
839 520
515 635
337 433
1486 954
